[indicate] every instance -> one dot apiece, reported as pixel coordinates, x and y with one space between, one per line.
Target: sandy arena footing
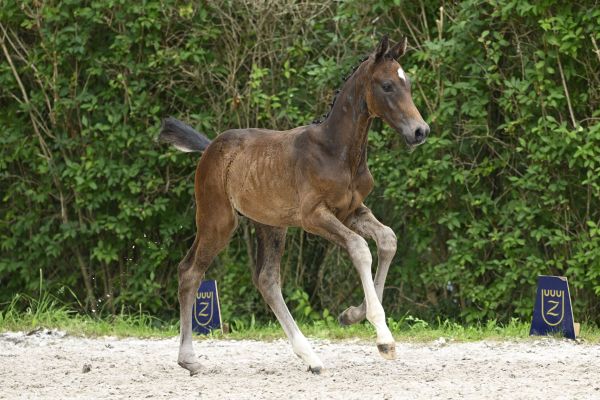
52 365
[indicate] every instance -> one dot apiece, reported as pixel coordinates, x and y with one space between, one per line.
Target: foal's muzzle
416 134
413 131
420 134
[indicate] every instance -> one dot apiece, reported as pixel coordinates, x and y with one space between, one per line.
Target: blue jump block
206 313
553 312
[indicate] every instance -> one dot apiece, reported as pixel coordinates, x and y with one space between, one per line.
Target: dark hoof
315 370
344 320
387 351
349 316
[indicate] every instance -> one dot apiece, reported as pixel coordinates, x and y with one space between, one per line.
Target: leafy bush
506 187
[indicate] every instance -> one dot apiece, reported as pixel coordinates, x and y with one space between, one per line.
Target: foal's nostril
420 134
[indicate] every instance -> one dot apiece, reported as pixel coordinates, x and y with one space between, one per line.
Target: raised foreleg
365 224
321 221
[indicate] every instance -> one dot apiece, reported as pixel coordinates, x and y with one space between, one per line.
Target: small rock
86 368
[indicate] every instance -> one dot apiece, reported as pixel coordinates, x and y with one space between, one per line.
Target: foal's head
389 95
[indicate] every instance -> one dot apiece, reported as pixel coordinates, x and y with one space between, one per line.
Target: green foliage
505 188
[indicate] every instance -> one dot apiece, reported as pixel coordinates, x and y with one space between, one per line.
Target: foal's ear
381 48
397 50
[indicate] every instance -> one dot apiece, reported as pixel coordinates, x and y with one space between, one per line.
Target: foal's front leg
323 223
365 224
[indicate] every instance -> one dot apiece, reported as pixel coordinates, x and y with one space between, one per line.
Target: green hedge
506 188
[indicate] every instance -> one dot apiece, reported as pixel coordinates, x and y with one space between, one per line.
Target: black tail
183 137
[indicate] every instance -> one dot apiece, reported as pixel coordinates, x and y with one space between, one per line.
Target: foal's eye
387 87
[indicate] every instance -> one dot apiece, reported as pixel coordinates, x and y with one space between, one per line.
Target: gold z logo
203 307
554 307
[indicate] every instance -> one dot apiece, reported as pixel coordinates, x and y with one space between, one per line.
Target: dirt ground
52 365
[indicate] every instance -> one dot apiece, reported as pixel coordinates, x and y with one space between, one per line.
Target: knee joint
388 242
266 280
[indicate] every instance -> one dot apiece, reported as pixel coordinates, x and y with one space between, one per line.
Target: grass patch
25 313
405 331
46 311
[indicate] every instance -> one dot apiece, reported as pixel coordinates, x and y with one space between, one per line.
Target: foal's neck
348 123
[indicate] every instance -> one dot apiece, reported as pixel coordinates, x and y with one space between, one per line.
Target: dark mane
337 91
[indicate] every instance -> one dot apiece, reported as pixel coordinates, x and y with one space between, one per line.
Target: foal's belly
262 188
267 210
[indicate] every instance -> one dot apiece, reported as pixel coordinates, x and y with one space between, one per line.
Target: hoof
387 351
194 367
350 315
315 370
344 320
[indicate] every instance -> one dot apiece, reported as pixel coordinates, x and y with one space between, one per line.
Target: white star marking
401 74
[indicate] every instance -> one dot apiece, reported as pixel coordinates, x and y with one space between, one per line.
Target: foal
315 177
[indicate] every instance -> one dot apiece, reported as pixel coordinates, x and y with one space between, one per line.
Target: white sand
49 365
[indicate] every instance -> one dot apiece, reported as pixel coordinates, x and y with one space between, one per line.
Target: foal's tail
182 136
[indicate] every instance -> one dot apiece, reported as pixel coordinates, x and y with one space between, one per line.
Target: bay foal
314 177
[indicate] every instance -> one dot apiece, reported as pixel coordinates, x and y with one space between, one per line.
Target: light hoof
387 350
194 367
351 315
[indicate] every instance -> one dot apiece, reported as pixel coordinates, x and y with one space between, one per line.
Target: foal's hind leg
214 230
365 224
271 241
